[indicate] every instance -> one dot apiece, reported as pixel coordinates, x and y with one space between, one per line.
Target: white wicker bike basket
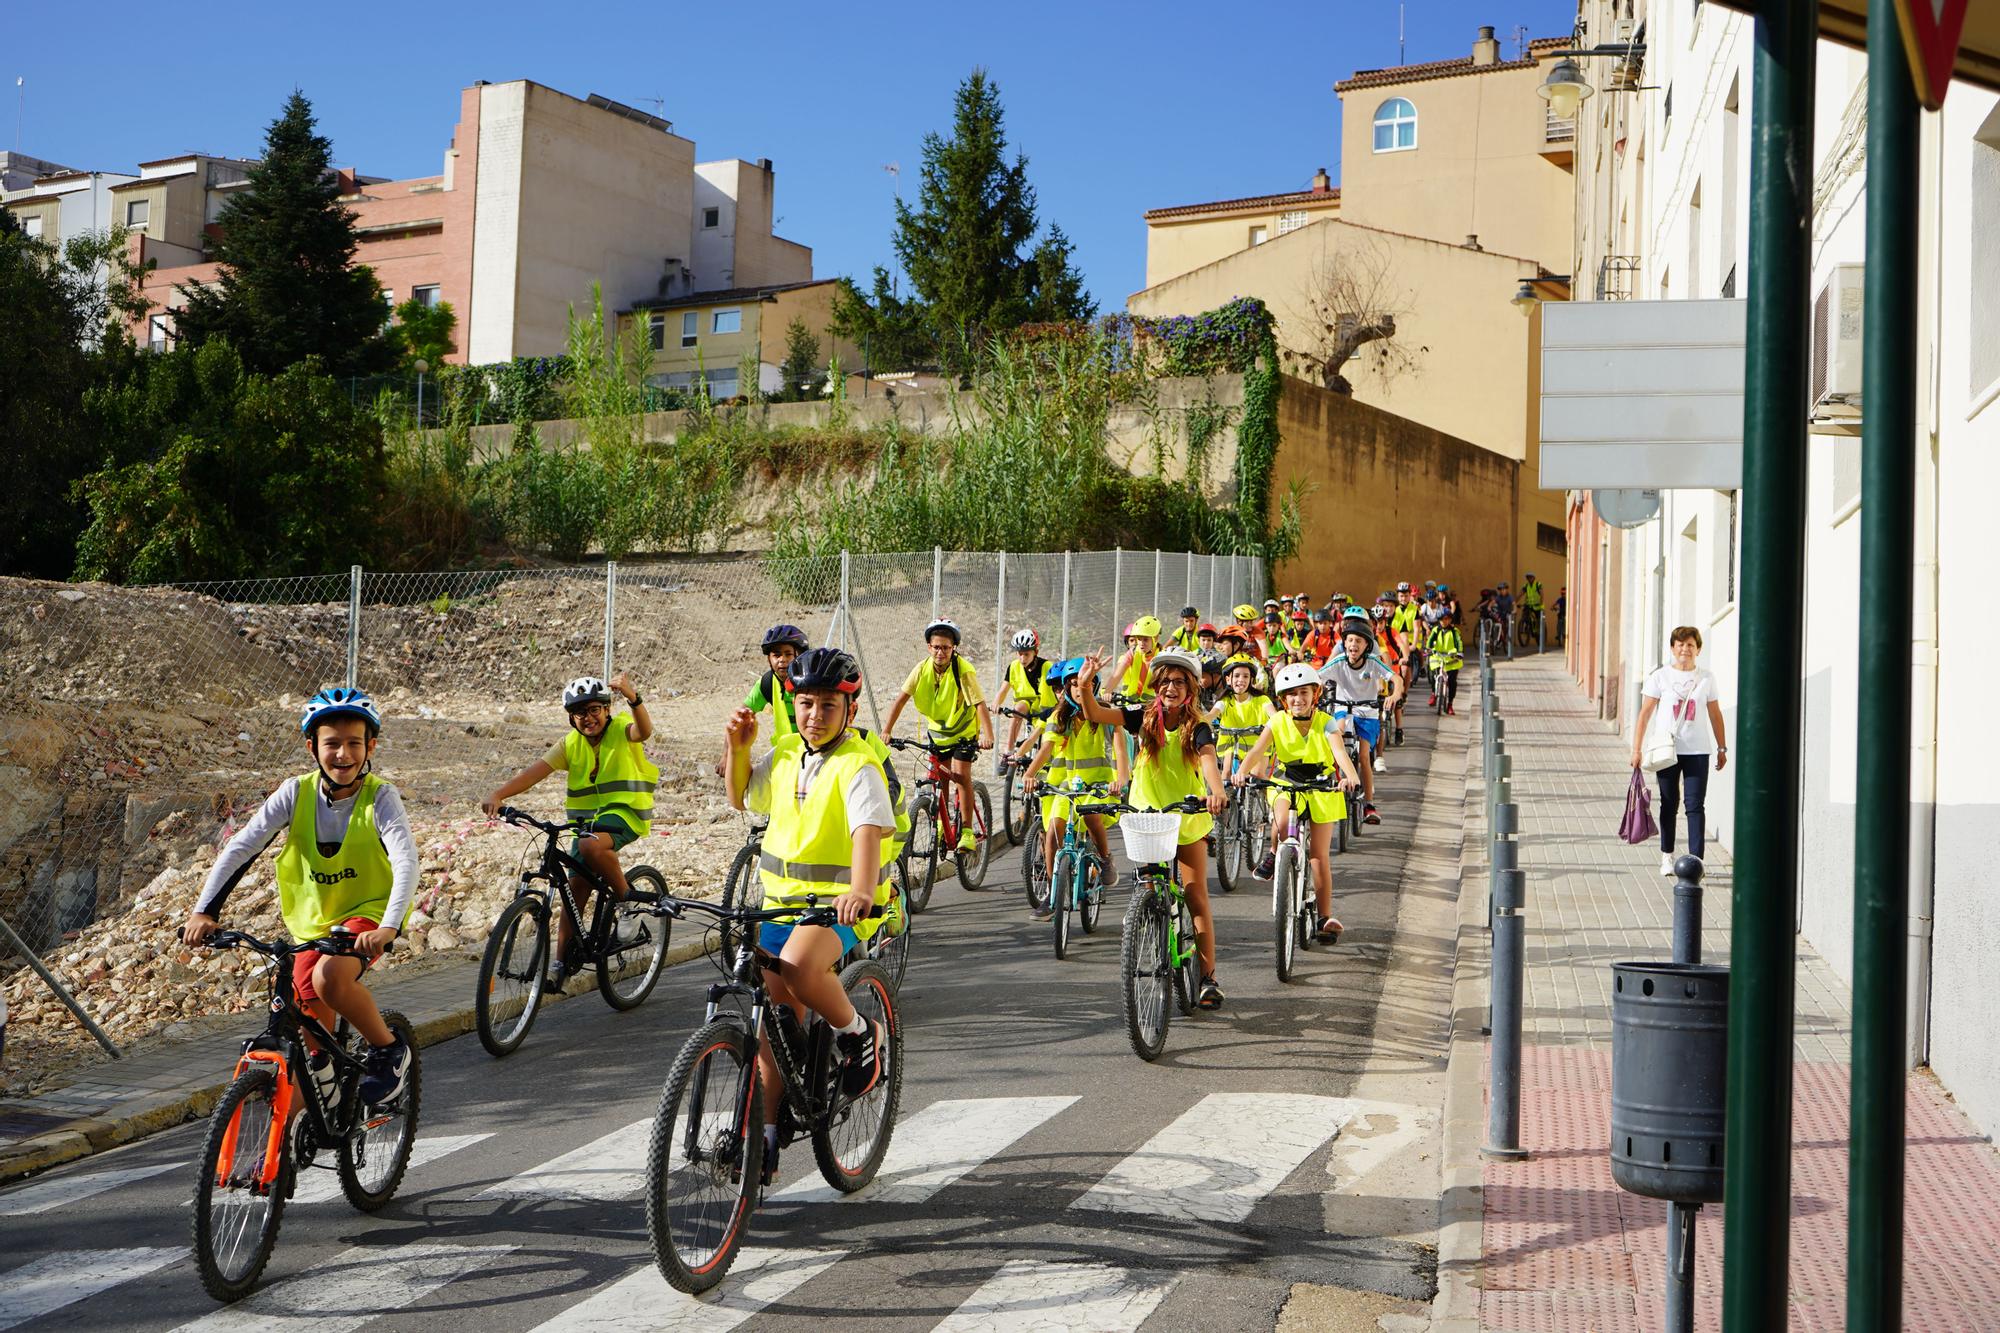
1150 836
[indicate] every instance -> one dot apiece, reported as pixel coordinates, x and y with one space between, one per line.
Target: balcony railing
1618 278
1558 129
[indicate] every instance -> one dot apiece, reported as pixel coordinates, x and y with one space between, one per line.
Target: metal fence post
1214 618
28 956
1188 599
937 578
1117 594
1503 1112
1156 587
610 612
1000 620
353 624
842 613
1065 606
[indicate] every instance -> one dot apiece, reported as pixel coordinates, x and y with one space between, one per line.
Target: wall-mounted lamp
1565 89
1525 299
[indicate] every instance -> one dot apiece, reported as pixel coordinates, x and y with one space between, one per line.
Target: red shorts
304 963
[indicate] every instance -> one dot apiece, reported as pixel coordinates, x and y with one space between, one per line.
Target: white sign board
1642 395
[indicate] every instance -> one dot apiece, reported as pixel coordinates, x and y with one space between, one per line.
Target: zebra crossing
1217 1161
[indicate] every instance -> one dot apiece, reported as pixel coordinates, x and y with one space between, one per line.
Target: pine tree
962 246
802 370
289 287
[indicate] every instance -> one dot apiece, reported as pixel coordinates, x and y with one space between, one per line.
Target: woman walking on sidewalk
1694 721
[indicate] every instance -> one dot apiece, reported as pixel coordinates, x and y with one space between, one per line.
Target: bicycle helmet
1146 625
1228 632
1174 657
1189 613
1300 617
944 625
1211 662
585 690
1403 586
778 636
1354 612
1025 639
1296 675
826 669
1360 627
1381 613
339 701
1244 611
1270 603
1061 673
1320 617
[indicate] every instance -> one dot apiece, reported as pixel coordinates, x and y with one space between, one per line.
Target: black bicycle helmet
826 669
778 636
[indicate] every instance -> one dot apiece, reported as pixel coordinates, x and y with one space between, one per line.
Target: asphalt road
1041 1174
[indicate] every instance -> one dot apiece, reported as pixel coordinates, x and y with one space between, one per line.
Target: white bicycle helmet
1179 657
944 625
1025 639
585 690
1293 676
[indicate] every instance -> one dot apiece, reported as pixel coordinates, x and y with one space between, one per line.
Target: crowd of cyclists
1175 720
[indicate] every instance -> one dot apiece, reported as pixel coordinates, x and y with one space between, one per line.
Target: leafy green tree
289 287
244 475
423 333
61 335
802 370
969 249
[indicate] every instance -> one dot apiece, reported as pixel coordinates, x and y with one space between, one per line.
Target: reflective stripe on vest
807 846
614 777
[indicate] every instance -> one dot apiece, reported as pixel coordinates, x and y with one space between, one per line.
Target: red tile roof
1445 69
1255 201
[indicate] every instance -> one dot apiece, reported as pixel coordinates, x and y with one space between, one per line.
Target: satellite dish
1625 509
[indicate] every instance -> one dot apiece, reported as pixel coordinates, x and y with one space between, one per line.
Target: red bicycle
936 823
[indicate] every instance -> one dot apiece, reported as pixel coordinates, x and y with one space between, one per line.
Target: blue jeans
1686 781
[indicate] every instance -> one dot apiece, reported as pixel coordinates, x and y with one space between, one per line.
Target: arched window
1395 125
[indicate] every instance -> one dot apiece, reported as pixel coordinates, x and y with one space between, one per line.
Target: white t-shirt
1684 698
867 793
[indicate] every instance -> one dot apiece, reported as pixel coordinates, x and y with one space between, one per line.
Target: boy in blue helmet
349 862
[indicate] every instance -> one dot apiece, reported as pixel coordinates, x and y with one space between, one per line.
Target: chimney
1486 47
1322 183
1472 242
764 165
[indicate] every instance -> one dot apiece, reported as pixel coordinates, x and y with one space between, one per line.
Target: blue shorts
1368 729
772 935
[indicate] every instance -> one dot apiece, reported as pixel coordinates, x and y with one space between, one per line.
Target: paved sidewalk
1563 1248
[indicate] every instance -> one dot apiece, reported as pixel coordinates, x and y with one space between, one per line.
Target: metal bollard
1503 1111
1687 909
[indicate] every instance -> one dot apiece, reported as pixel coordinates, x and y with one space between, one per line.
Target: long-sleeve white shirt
330 822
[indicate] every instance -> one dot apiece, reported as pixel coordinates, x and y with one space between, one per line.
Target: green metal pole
1757 1169
1882 781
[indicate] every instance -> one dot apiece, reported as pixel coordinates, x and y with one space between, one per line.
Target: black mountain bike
1244 829
1017 807
626 940
705 1166
250 1161
890 945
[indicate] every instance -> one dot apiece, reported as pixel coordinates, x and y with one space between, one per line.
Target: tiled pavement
1564 1248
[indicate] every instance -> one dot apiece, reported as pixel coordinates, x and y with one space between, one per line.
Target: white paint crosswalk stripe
936 1146
354 1288
644 1303
50 1283
1221 1157
324 1186
46 1195
1031 1294
613 1167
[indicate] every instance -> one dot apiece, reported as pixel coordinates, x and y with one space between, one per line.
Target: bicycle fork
281 1117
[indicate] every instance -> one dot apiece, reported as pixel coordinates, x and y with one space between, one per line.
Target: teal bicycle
1158 963
1076 882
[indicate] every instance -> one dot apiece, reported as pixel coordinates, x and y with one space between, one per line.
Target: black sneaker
552 983
861 1054
387 1072
1399 735
1368 815
770 1172
1211 994
1266 865
1329 930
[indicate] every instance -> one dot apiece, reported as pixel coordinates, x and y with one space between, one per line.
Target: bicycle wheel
1186 967
1229 842
1034 866
1143 973
1016 808
1256 831
849 1143
893 951
372 1162
706 1160
1283 917
236 1215
638 940
1064 889
510 976
1354 807
972 864
1340 831
743 888
920 854
1093 893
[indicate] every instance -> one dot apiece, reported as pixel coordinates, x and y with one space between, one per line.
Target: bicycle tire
1187 973
1340 830
630 990
355 1150
1142 973
972 865
1256 831
1354 808
1062 896
850 1168
234 1280
893 952
1284 915
1229 839
731 1136
501 1032
920 854
1093 895
743 888
1035 879
1016 808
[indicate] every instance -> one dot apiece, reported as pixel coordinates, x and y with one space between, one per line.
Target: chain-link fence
141 723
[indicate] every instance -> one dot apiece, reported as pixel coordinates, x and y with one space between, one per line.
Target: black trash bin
1669 1063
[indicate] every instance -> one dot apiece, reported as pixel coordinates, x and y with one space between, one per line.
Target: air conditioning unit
1834 388
1621 32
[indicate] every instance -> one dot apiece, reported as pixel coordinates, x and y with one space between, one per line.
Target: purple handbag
1638 825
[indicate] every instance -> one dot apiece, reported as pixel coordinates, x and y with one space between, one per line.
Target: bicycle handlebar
1328 782
339 943
522 819
929 747
812 914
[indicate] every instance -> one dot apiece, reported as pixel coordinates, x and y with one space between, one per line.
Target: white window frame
656 330
427 295
1390 116
734 314
146 205
32 227
1292 221
1259 235
159 334
711 218
690 327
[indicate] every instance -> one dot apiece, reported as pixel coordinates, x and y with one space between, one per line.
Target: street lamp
422 366
1565 89
1525 299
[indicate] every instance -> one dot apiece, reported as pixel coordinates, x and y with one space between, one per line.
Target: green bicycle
1157 957
1076 882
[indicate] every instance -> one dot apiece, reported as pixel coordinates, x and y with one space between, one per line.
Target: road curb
1462 1204
136 1120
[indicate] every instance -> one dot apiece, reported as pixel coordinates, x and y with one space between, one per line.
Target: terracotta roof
1255 201
1445 69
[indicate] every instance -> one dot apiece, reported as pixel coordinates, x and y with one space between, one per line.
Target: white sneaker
1667 864
1380 767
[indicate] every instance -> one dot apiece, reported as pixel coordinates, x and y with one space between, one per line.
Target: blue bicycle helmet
1061 673
339 701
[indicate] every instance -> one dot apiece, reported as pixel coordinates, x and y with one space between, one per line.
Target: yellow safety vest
612 777
807 848
1447 649
944 704
1314 750
1041 698
1134 685
1187 640
1160 780
1083 755
317 893
1247 716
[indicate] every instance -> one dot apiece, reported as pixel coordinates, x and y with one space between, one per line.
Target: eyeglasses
593 710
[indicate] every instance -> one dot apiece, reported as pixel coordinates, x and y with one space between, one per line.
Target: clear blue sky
1119 107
